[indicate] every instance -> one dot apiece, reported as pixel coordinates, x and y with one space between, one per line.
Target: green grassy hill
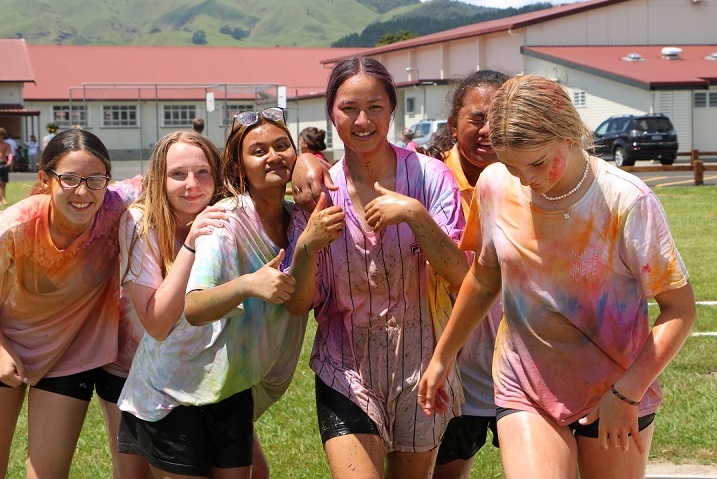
318 23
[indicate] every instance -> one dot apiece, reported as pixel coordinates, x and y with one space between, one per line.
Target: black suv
627 138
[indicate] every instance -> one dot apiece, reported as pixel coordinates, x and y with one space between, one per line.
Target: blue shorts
464 437
191 440
81 385
591 430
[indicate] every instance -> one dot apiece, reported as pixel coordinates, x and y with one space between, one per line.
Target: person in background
6 158
59 300
465 146
359 261
407 139
198 125
51 129
33 148
577 360
312 141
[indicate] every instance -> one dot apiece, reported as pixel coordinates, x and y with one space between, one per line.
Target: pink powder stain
558 168
646 268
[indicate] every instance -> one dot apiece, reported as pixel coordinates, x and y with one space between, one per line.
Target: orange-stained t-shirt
59 309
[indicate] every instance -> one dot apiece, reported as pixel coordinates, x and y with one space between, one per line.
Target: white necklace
566 213
577 187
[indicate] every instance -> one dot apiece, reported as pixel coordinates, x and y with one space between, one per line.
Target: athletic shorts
338 415
191 440
464 437
4 176
591 430
81 385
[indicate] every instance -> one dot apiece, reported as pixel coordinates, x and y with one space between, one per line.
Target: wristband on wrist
184 245
623 398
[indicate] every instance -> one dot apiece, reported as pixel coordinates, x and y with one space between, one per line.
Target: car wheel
620 159
667 161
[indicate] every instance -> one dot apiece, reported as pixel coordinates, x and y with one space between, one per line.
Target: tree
395 37
199 37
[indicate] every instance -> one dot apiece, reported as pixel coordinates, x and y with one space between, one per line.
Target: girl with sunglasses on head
235 351
575 247
59 301
359 262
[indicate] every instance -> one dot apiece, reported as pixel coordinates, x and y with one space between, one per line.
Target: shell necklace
566 213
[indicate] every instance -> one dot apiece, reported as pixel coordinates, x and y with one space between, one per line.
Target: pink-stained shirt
375 334
574 290
60 308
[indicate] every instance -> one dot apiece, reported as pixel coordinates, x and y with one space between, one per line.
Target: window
179 115
580 99
703 99
65 118
231 109
119 115
410 104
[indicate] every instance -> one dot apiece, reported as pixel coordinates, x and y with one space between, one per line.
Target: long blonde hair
158 214
529 111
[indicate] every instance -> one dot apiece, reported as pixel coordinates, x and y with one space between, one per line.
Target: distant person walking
198 125
6 157
33 148
312 141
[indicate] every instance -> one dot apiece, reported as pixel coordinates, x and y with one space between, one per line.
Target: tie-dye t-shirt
60 308
375 335
256 346
475 360
574 290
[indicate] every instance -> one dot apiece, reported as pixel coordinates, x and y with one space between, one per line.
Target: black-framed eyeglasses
248 118
69 180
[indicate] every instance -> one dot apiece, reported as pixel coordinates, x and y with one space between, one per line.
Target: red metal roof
691 70
16 65
16 110
57 68
491 26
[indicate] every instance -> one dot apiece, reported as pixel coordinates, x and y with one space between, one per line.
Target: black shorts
338 415
81 385
591 430
4 177
191 440
464 437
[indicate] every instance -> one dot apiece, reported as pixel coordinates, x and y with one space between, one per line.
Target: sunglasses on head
248 118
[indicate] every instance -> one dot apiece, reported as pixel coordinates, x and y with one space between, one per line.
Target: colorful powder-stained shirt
475 360
574 290
60 308
255 346
375 335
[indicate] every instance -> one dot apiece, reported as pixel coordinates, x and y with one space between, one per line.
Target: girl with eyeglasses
359 261
59 301
192 398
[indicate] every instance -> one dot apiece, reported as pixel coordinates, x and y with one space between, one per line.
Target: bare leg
595 462
458 469
11 400
124 466
158 474
260 469
355 455
534 446
411 465
231 473
54 425
3 200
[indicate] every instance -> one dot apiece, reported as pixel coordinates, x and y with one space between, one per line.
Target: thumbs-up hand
324 225
390 208
270 284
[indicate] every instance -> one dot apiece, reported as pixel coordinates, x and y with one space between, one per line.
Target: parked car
626 138
424 130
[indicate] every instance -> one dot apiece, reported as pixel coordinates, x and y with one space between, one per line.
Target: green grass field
685 426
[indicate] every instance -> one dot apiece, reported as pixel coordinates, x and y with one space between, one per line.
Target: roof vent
672 53
712 56
633 57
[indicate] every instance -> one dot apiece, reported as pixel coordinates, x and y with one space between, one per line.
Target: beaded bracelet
623 398
188 248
